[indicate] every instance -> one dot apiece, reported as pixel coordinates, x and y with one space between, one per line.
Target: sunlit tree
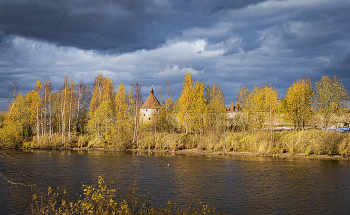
47 97
263 104
14 122
185 104
136 88
37 105
120 109
330 97
200 107
216 109
83 93
242 99
72 101
298 103
103 92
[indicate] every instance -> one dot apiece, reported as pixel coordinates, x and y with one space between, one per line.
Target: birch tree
263 104
138 103
48 87
185 104
243 104
298 103
72 102
120 109
200 107
216 110
37 105
83 99
64 95
330 97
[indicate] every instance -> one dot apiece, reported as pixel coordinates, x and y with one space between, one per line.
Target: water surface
234 185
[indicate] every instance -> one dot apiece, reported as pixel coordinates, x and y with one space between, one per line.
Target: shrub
100 201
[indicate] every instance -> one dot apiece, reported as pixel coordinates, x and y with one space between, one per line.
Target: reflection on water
235 185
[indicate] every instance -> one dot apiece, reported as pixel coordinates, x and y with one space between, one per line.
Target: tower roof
151 102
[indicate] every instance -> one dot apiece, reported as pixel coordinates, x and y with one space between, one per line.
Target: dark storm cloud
125 25
232 43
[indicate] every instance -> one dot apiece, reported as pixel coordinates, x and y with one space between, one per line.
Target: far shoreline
194 151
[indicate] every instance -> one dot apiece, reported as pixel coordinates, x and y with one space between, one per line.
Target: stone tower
149 108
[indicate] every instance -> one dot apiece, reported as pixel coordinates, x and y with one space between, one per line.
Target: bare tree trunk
41 121
78 108
45 108
63 107
37 123
135 126
138 101
69 121
270 122
48 99
155 134
50 118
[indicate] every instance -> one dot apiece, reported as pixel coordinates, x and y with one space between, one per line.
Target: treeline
46 114
79 115
105 116
302 107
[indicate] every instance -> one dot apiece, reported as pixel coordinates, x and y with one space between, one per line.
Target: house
149 108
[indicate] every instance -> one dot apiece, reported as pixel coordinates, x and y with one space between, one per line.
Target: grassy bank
294 142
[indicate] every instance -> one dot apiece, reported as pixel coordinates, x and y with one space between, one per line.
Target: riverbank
311 144
197 151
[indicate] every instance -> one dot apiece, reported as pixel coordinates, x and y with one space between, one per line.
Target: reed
294 142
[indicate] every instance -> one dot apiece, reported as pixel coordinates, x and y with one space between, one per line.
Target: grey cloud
109 25
234 43
121 25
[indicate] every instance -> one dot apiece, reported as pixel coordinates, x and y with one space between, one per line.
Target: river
233 185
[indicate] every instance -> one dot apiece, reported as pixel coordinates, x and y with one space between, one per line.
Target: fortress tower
149 108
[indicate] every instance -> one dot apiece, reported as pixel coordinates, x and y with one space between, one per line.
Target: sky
232 43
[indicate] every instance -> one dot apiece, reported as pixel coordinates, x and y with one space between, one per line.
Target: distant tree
96 99
83 92
138 103
120 109
200 107
216 109
64 96
13 122
242 99
56 121
31 103
72 101
243 104
298 103
47 99
103 91
106 115
130 114
263 104
184 104
14 89
164 117
330 97
37 105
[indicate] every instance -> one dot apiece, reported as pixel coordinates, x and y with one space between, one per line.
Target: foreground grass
99 200
305 141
